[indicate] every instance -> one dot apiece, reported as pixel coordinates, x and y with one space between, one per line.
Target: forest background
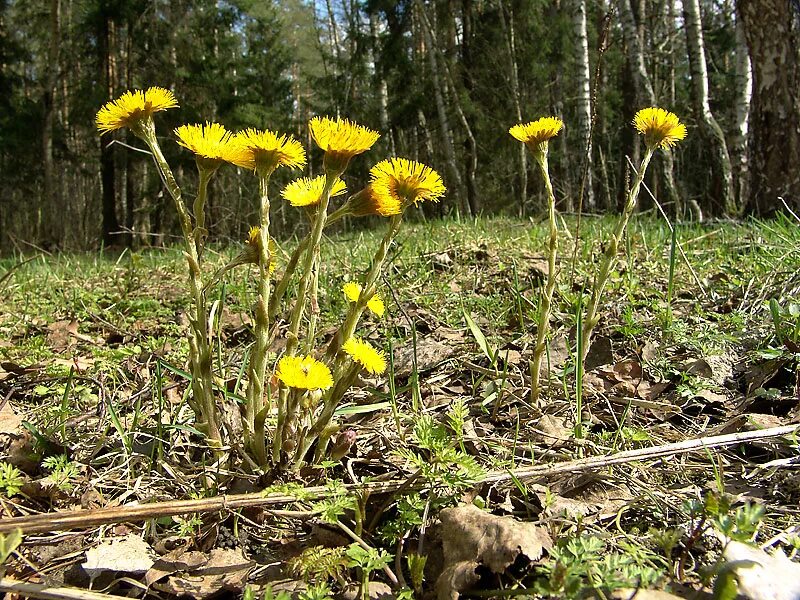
441 79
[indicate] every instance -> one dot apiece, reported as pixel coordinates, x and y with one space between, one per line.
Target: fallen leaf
472 537
761 576
128 554
225 570
61 334
601 352
429 354
9 420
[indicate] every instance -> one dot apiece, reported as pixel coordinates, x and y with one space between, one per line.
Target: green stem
368 291
609 257
199 349
283 284
547 296
258 357
311 252
199 208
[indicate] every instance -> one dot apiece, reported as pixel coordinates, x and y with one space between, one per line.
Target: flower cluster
293 399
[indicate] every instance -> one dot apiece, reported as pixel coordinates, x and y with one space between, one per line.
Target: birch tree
583 94
773 38
711 132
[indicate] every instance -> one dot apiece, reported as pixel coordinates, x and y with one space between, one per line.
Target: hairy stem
199 348
258 357
609 257
547 296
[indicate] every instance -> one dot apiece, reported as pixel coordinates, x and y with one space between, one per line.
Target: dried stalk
81 519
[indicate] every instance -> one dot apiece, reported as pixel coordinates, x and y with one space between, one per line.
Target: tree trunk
744 92
441 109
721 187
50 210
584 97
511 49
107 171
646 93
774 42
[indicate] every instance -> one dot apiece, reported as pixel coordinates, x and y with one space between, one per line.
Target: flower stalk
550 285
591 318
199 347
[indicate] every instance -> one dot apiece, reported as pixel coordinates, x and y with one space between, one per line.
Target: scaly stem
280 288
199 349
308 264
547 296
291 267
199 209
367 292
609 257
258 357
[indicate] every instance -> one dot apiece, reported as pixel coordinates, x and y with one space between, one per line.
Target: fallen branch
46 592
81 519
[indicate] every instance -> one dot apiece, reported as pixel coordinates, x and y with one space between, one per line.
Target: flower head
365 354
132 107
264 151
306 191
211 143
537 134
367 202
352 291
660 127
402 181
341 140
252 250
304 373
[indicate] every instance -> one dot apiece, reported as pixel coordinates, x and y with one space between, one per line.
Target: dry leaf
762 576
225 570
429 354
472 537
9 420
61 334
129 554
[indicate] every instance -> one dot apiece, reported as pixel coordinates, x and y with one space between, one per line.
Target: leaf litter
648 382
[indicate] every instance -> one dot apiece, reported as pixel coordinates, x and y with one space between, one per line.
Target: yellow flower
304 373
211 143
252 244
341 140
306 191
352 291
661 128
264 151
402 181
365 354
537 134
130 108
367 202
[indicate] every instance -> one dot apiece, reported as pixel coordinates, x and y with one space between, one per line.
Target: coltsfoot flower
365 355
661 128
264 151
341 139
537 134
352 291
367 202
251 250
307 192
304 373
402 181
132 107
211 143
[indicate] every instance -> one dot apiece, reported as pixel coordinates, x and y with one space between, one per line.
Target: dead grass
93 368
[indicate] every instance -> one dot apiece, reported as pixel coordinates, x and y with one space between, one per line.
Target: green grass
109 399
